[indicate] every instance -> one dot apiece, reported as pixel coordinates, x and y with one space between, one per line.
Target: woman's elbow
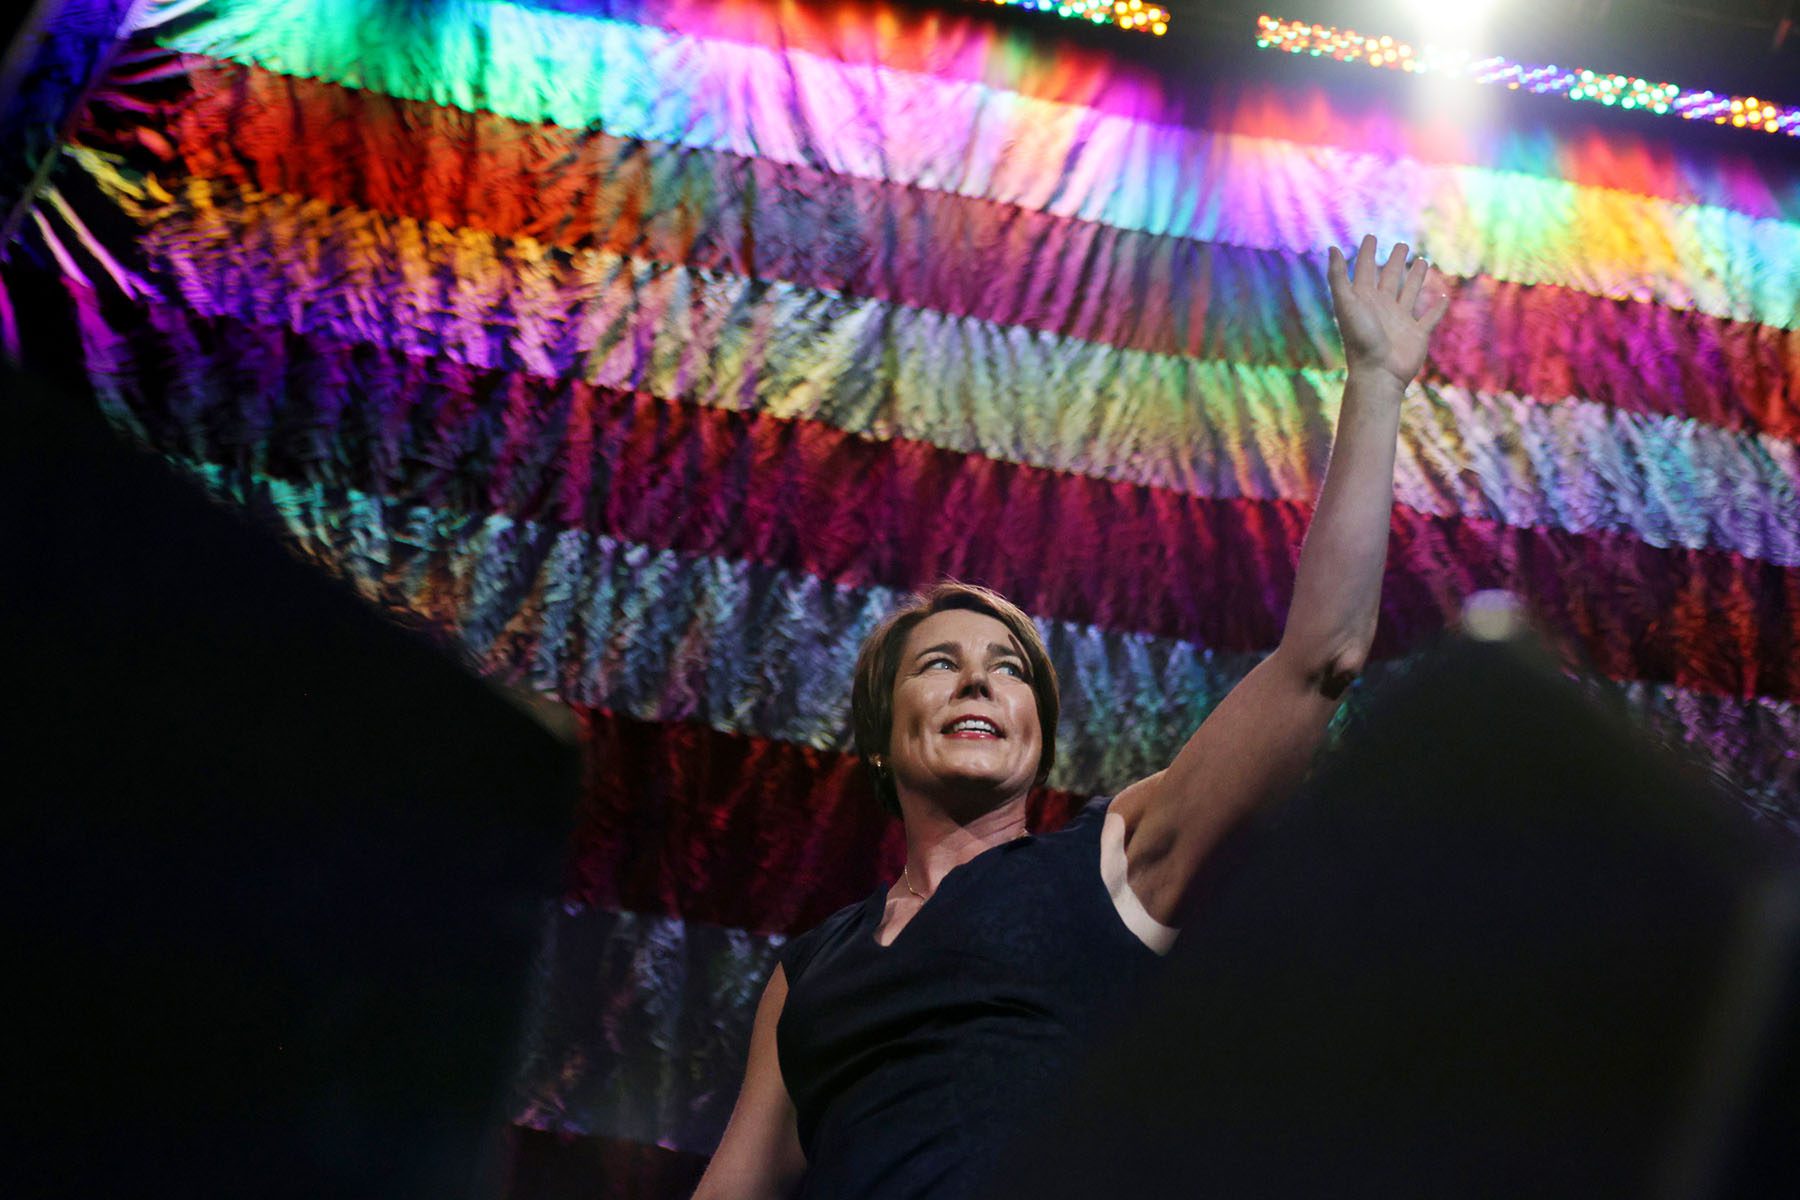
1328 671
1338 673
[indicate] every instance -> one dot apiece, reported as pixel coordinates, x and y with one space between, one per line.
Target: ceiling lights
1618 91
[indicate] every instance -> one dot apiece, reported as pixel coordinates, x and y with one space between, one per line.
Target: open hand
1378 310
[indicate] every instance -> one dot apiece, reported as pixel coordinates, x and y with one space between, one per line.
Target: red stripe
810 497
939 251
744 832
1551 342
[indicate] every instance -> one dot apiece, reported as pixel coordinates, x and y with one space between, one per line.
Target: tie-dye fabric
651 351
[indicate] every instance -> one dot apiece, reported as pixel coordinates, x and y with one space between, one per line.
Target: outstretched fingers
1375 300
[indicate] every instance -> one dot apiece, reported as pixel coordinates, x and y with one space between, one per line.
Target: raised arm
1257 743
759 1157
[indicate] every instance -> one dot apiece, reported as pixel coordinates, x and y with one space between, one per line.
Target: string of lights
1134 16
1621 91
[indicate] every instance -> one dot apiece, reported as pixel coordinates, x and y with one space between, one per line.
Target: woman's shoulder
799 950
1086 821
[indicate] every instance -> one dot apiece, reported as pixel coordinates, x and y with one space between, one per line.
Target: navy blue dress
912 1065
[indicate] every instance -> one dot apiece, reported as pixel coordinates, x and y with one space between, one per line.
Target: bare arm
759 1157
1257 743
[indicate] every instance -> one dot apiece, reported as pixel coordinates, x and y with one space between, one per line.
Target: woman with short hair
903 1042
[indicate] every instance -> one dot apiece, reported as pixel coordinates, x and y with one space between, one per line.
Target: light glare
1612 91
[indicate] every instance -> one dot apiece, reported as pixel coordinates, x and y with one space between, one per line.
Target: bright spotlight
1460 24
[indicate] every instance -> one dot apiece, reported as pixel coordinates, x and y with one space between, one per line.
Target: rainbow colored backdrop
651 350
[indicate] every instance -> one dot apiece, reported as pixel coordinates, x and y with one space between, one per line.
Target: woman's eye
1014 668
939 662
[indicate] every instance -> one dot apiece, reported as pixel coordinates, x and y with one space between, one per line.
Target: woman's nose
974 681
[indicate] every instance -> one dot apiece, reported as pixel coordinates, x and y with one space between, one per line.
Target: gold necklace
906 870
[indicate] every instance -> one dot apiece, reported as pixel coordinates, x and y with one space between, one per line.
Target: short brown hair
872 692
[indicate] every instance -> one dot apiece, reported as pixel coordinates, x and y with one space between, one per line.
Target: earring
875 761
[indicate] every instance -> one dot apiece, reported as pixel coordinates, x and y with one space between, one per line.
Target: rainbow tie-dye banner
649 352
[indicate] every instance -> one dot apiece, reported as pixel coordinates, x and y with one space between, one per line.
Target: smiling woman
919 655
904 1042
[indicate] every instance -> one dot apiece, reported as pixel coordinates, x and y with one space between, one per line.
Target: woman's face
965 717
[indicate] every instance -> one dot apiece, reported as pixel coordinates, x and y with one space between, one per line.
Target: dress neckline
878 902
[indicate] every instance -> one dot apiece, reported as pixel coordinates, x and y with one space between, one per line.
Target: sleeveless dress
912 1066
